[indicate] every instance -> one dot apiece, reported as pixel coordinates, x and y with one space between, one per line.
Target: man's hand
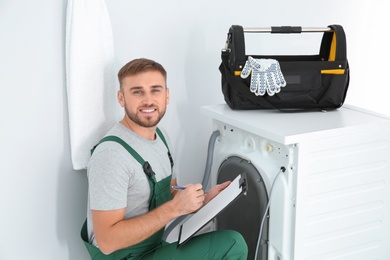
215 191
190 199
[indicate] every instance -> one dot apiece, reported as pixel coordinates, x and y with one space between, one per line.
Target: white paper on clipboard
212 208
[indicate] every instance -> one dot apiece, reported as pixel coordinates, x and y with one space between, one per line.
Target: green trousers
218 245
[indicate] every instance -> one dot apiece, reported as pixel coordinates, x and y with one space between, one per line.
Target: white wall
187 37
43 201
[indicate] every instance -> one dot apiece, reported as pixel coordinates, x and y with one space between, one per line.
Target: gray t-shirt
116 179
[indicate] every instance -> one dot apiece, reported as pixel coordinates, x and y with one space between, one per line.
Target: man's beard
147 121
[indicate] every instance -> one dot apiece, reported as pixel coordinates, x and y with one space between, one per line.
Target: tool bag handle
285 29
333 45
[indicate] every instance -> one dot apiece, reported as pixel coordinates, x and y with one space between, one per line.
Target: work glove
266 76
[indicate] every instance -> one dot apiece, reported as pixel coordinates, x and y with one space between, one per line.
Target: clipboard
209 211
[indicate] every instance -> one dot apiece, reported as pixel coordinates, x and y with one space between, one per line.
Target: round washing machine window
246 212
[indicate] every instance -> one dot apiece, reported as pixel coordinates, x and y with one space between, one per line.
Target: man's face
144 97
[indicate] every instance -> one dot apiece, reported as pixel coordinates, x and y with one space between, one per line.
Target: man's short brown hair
140 65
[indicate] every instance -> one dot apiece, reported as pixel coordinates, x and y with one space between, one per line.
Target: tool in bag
318 81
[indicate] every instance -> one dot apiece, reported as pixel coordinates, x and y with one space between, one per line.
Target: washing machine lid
294 127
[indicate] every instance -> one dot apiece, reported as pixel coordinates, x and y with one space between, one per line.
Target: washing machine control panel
249 142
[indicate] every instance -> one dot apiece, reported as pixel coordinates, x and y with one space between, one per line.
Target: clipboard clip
243 184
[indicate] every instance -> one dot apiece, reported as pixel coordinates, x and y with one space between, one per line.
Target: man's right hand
190 199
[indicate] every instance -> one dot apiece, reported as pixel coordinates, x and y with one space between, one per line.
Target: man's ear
121 98
167 95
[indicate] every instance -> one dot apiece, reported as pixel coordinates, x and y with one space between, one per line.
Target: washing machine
318 182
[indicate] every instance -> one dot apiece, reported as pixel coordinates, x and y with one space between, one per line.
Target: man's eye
137 92
156 90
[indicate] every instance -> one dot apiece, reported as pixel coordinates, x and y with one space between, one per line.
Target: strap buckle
148 170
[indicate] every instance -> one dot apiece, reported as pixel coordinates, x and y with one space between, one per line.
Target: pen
178 187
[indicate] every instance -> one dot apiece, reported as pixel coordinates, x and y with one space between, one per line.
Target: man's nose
148 99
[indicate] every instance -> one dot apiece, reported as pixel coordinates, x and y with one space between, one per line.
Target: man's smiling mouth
150 110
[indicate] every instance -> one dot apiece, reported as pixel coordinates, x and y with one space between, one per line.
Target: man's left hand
215 191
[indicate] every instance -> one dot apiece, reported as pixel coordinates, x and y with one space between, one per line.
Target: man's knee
236 245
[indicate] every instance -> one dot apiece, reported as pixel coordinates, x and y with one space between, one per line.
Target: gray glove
266 76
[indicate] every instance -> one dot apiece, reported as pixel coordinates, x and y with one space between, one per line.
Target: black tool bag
312 81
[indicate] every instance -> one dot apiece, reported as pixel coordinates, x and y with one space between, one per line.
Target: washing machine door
245 214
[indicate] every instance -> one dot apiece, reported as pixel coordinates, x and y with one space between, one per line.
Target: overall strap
160 134
124 144
145 165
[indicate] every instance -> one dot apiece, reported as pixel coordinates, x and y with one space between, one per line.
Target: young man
130 178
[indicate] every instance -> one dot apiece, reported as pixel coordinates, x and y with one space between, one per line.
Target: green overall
159 194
